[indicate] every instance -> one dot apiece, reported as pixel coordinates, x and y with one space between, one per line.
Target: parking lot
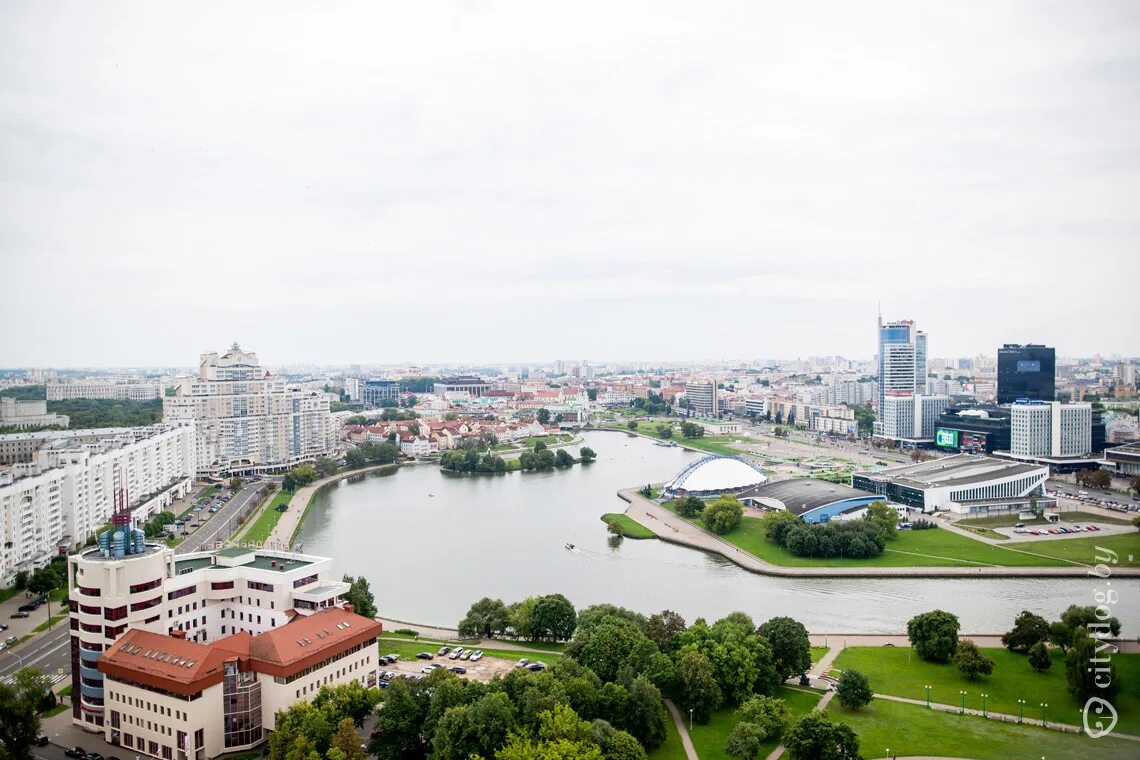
483 670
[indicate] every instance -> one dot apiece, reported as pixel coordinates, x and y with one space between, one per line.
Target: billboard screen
1026 365
948 438
974 442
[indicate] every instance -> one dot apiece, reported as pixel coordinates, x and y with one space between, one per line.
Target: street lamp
962 704
1044 711
928 696
984 697
690 719
1021 711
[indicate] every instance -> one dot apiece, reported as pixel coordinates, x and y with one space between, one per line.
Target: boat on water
666 444
569 546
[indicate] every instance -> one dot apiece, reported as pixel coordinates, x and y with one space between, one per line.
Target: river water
431 543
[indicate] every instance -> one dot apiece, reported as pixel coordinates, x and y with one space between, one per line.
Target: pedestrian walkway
282 533
686 741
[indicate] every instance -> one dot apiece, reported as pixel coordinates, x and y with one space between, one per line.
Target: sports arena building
715 475
811 499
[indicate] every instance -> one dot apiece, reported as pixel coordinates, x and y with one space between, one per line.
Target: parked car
458 669
11 640
443 650
466 655
75 752
536 666
1019 525
19 614
522 663
3 626
477 656
425 656
454 655
41 740
95 756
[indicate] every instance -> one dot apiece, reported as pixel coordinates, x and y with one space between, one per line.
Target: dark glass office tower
1028 372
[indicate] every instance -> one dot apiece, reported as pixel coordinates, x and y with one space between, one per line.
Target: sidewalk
686 740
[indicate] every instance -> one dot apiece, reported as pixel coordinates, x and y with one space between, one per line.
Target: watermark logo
1100 665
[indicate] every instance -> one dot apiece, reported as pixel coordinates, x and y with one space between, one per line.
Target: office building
973 429
353 389
702 398
1124 459
104 390
1026 372
1050 429
469 384
16 413
376 393
962 484
249 421
910 417
69 485
902 360
127 584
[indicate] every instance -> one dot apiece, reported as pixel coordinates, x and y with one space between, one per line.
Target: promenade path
821 707
669 527
282 533
679 721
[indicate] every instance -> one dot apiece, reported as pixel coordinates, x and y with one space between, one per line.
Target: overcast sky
390 182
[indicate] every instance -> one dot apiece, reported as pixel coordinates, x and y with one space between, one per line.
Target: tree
1134 484
644 714
359 595
690 507
1077 619
235 484
815 737
699 691
883 517
592 394
853 691
543 416
631 424
934 635
744 741
791 649
45 580
1028 629
1136 522
486 618
399 726
692 430
766 718
349 700
971 662
587 455
663 628
780 432
552 618
355 458
723 515
1086 680
325 467
20 702
665 431
1039 657
346 740
562 458
1101 479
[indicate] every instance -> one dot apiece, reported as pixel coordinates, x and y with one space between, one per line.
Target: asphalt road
51 653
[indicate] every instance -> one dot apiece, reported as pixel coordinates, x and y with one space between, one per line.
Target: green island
626 526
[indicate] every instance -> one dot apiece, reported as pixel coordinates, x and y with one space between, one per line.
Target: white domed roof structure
715 475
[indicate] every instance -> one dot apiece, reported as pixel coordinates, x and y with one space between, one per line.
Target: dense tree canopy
815 737
1028 629
20 704
486 618
722 515
934 635
791 649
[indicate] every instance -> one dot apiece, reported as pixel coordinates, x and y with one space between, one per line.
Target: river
431 543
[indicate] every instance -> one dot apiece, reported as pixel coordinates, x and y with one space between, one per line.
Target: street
50 651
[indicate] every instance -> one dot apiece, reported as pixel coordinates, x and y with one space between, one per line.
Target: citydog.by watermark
1100 664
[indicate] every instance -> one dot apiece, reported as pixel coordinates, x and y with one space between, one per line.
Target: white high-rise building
902 360
248 421
103 389
909 416
1050 429
702 398
68 486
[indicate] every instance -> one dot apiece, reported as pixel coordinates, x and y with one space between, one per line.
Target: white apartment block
1050 429
249 421
25 414
104 389
125 584
70 488
908 416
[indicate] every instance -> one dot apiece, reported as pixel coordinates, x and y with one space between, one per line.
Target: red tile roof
152 659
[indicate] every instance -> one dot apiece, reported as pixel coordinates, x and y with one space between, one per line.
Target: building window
221 585
138 588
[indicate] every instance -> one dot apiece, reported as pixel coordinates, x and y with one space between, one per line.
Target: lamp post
690 719
928 696
984 697
1044 712
1021 711
962 703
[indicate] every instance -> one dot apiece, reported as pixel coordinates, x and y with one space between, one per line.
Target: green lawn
817 653
909 730
52 622
899 672
630 528
671 748
408 649
1083 550
913 548
708 740
261 528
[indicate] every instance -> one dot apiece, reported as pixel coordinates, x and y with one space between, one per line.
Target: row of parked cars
1116 505
1056 531
81 754
27 608
525 663
458 653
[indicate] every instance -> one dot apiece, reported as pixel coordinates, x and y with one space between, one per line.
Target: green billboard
947 438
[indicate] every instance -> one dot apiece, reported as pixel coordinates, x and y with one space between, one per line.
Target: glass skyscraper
1026 372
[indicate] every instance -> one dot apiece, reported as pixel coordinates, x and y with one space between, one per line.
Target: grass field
708 740
1083 550
671 748
713 444
912 730
899 672
630 528
261 528
915 548
817 654
408 650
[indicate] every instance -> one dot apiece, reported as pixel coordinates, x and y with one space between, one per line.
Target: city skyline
754 184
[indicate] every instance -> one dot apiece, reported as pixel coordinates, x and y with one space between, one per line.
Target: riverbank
669 527
286 529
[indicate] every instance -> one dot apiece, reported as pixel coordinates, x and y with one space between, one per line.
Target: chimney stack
178 634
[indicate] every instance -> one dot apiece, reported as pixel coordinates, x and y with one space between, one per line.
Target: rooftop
960 470
800 495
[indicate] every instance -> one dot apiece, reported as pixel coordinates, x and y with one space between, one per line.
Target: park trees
360 596
486 618
934 635
315 728
1076 620
723 515
853 691
631 424
1028 629
562 458
758 720
20 702
690 507
971 662
664 430
791 650
814 737
542 415
325 467
552 618
587 455
1039 658
1085 681
699 690
692 430
883 517
663 629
